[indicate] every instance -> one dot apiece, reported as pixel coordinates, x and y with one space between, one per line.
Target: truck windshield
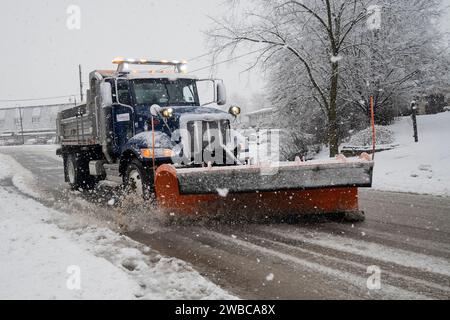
181 92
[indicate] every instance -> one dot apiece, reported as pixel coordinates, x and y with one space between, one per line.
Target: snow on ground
422 167
35 258
46 254
370 250
364 138
24 181
49 150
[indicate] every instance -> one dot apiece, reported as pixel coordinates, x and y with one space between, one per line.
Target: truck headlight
235 111
167 113
160 153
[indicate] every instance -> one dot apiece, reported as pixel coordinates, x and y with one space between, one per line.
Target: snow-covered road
47 254
406 237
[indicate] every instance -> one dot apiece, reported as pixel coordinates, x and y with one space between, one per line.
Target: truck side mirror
221 93
106 94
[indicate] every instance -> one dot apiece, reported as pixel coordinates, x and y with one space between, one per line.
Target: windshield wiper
168 94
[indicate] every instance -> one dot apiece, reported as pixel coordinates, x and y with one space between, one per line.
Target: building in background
260 119
29 125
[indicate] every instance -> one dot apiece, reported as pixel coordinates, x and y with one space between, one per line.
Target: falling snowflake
335 59
270 277
223 192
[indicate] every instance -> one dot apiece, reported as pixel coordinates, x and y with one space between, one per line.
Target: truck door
123 116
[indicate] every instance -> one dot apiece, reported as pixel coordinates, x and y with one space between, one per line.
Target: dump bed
77 127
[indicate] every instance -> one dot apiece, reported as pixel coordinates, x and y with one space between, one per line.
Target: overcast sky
40 54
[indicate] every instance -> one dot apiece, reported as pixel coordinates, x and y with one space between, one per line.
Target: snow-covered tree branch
326 57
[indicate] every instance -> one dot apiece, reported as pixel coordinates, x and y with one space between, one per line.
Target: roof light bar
123 63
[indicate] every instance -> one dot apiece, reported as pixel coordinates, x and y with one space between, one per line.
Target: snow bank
363 138
158 277
35 258
42 250
422 167
22 179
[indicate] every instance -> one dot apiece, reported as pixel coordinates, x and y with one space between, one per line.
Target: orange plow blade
292 189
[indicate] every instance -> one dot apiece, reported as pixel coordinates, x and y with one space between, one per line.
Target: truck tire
77 174
139 179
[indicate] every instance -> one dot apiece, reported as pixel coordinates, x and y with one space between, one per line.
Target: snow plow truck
143 126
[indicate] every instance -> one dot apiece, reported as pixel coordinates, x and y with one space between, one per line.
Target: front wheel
139 179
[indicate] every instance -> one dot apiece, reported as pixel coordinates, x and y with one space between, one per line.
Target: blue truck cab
111 136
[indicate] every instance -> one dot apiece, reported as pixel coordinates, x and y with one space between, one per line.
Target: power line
228 60
192 59
195 58
38 99
218 63
202 56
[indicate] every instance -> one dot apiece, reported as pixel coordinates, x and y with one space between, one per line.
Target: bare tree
308 30
403 58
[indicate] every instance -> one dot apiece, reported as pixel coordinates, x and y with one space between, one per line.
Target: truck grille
203 136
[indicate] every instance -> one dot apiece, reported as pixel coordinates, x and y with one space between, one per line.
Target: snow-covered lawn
422 167
46 254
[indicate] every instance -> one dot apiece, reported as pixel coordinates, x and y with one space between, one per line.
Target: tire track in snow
395 276
410 239
371 250
358 283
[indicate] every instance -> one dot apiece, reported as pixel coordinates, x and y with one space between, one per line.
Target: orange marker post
153 148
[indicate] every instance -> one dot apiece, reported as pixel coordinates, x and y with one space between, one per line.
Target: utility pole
21 125
81 83
414 119
74 100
